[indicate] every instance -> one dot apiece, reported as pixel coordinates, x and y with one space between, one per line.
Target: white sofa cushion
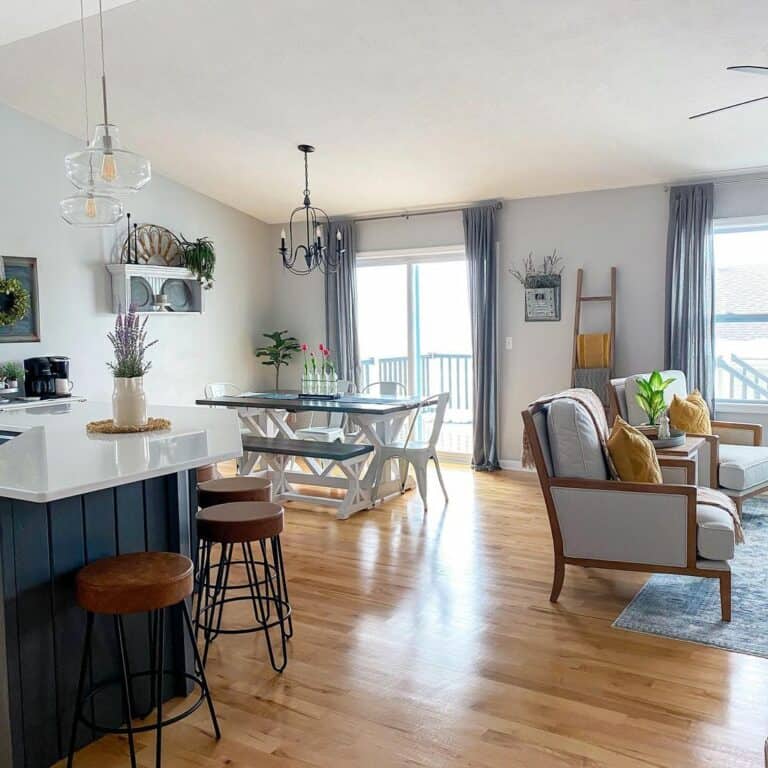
715 539
743 466
573 442
635 414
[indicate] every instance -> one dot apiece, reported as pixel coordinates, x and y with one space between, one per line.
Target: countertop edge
45 498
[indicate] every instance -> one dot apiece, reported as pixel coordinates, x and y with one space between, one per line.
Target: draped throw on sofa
689 343
341 304
480 247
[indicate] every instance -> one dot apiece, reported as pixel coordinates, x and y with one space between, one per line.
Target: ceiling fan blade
730 106
749 68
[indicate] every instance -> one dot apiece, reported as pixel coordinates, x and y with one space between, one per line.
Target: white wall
75 311
625 228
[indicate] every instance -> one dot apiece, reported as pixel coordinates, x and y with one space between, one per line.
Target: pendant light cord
103 70
85 74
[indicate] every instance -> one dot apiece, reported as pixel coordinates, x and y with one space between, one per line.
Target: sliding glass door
413 317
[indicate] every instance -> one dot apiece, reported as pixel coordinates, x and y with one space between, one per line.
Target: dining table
373 419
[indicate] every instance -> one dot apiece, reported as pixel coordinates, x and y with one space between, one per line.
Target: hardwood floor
428 640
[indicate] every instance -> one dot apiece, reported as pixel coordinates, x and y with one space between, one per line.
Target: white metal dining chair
222 389
415 452
331 431
386 388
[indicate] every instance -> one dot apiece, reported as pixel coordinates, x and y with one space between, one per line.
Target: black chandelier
313 253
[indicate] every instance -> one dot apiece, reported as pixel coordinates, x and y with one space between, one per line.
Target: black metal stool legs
126 688
156 674
80 688
265 590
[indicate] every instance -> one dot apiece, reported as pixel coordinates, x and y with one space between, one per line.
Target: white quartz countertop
53 457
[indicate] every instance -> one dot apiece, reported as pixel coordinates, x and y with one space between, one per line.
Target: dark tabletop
290 401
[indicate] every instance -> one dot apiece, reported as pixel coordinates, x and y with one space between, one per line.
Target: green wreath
17 305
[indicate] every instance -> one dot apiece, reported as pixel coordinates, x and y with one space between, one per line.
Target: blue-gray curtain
341 304
480 248
689 343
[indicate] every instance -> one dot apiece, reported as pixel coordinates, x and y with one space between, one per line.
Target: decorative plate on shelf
179 295
152 244
141 294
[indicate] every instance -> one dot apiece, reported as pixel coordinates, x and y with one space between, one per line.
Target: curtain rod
498 204
740 179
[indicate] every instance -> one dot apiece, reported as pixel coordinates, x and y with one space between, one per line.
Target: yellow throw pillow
690 414
633 454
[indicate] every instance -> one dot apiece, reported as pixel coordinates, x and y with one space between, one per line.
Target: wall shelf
138 283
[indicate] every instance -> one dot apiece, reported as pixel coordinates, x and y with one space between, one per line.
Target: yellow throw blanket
593 350
593 406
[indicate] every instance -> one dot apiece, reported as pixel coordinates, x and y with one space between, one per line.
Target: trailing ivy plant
200 259
280 352
650 395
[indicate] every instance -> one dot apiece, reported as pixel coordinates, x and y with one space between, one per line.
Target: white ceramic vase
129 403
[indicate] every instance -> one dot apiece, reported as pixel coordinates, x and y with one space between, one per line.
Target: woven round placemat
108 427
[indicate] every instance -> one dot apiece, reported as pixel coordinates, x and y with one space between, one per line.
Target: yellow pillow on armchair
633 454
690 414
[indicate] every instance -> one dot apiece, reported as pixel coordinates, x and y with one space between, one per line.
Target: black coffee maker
40 374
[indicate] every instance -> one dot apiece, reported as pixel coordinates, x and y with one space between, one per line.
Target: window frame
724 226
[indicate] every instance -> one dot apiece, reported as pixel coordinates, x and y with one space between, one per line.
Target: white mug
63 386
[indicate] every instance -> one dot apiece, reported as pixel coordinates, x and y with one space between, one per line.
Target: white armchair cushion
743 466
635 414
715 539
573 442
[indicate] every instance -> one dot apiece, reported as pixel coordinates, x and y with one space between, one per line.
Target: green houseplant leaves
650 395
280 352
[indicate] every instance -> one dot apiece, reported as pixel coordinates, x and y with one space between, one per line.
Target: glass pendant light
104 166
87 207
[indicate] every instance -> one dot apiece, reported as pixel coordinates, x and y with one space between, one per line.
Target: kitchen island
67 498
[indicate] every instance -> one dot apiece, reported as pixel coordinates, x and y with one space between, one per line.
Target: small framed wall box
542 298
28 328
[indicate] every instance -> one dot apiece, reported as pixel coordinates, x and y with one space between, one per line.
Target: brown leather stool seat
229 489
240 522
143 581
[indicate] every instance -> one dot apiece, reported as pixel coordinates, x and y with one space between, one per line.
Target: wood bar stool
224 490
144 582
243 523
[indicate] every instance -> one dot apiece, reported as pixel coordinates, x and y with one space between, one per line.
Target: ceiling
23 18
408 103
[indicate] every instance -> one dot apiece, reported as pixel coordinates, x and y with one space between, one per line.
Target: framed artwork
28 328
542 303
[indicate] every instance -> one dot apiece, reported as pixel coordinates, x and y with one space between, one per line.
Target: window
414 328
741 310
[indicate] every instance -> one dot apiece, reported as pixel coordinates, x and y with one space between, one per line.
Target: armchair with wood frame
733 459
601 523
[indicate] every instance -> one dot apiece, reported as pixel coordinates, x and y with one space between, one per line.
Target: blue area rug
688 607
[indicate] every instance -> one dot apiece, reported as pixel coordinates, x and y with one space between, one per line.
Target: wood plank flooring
428 640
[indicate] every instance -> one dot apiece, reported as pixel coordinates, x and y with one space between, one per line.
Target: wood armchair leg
557 579
725 596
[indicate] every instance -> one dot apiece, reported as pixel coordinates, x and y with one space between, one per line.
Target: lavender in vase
129 341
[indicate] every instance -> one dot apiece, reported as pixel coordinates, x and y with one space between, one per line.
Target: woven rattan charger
108 427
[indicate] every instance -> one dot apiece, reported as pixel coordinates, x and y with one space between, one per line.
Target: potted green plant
12 373
279 353
200 259
650 395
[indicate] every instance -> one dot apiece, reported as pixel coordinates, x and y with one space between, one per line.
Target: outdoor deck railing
437 372
740 378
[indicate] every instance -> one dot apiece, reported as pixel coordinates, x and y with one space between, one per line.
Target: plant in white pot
129 340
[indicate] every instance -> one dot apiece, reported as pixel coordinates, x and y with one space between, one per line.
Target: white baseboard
514 465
